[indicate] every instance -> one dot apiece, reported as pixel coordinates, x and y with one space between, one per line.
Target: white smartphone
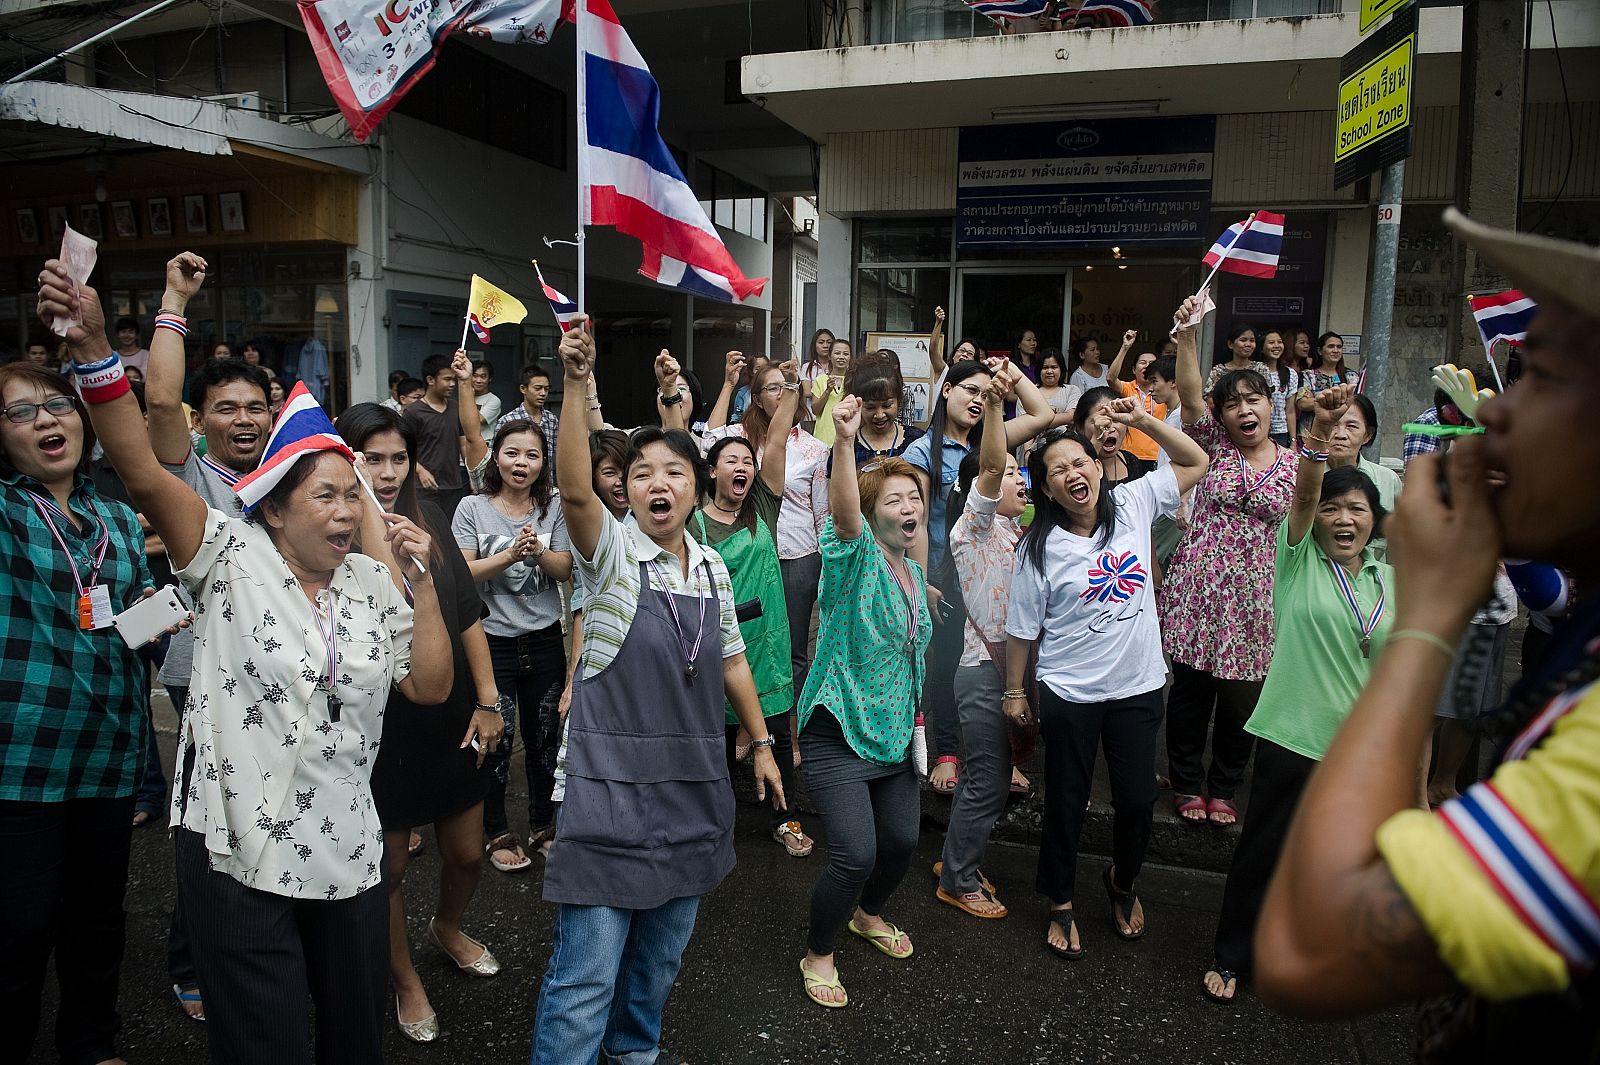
149 618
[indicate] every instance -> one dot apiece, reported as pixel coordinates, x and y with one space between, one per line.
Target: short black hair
396 376
434 365
1165 367
410 384
126 322
680 443
1342 480
483 364
529 372
1236 384
214 373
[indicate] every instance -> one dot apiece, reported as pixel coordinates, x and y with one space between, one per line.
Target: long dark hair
876 377
360 423
936 426
1283 360
1235 331
747 510
811 352
1316 355
543 485
1047 513
756 420
1087 403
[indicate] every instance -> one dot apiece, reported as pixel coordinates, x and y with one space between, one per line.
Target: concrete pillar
1350 257
1489 159
834 252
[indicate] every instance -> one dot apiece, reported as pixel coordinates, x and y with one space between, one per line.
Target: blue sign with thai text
1070 184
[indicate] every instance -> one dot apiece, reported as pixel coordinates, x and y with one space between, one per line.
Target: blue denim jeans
607 984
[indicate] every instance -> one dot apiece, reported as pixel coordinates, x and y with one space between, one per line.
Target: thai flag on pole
680 275
477 329
1116 12
562 307
302 428
1009 8
1503 316
633 182
1250 247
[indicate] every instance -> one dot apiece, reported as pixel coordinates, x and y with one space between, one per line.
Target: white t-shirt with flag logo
1093 609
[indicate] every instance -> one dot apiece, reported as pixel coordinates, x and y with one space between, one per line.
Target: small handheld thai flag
477 329
1009 8
1250 247
1115 12
560 305
301 429
1503 316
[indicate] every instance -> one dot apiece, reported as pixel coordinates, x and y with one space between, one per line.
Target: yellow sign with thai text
1375 101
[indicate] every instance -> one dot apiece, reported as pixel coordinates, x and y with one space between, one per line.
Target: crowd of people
1074 554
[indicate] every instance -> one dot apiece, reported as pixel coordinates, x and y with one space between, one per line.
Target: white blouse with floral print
280 791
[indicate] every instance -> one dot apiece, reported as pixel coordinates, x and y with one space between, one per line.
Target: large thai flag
302 428
1503 316
634 183
1009 8
1116 12
1250 247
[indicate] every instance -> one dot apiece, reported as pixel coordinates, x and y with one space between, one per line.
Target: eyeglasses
23 413
973 389
772 389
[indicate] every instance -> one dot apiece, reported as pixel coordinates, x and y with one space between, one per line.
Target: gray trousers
985 775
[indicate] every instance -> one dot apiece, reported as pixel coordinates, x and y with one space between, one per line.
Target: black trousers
801 578
261 956
1275 787
529 670
939 677
66 871
1200 702
782 753
180 966
1126 730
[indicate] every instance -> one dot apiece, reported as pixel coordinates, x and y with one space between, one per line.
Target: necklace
733 515
908 595
500 505
692 653
1365 622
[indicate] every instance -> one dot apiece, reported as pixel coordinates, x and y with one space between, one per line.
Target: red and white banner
373 51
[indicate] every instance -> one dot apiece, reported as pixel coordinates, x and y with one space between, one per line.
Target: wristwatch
672 400
765 741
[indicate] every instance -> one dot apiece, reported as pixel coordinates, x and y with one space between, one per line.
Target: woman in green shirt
740 520
860 701
1330 599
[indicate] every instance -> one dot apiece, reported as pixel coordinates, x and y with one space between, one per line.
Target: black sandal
1064 920
1125 899
1226 975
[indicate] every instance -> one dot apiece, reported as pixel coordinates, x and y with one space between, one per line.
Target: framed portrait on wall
231 206
89 221
57 217
27 225
123 220
194 214
160 216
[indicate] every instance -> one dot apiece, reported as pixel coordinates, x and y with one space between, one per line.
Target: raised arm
1191 382
775 448
733 368
844 494
168 426
1189 459
1337 934
667 379
1331 406
174 510
1129 338
1037 414
585 513
936 343
473 449
992 449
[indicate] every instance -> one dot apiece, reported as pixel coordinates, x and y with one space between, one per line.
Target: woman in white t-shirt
1091 372
1083 594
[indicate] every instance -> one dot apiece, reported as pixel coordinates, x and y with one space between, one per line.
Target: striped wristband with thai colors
175 322
103 381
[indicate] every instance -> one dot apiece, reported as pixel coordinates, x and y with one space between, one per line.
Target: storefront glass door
996 304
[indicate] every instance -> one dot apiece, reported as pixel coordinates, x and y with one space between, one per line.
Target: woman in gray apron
646 827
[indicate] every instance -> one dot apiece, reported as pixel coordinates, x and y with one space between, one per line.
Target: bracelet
672 400
765 741
594 406
102 381
175 322
1015 693
790 386
1431 638
488 708
1313 456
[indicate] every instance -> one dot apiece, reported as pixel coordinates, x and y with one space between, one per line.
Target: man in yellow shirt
1491 901
1139 388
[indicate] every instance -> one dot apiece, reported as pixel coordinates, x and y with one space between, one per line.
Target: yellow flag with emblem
490 306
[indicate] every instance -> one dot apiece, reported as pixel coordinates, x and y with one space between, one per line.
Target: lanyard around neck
48 507
1367 623
691 653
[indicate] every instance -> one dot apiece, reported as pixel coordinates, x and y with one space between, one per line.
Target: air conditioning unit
248 101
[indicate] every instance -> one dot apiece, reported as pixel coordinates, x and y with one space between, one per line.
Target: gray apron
648 815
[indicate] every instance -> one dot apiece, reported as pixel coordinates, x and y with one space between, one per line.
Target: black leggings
1200 701
530 670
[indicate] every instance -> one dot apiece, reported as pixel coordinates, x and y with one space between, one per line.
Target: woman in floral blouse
1216 602
298 641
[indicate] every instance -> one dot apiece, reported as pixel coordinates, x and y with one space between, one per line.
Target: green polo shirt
1317 665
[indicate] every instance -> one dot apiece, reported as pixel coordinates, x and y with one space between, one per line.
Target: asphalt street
976 992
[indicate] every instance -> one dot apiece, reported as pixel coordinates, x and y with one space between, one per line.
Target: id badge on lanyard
94 598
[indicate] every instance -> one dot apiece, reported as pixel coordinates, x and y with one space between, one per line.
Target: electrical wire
1566 103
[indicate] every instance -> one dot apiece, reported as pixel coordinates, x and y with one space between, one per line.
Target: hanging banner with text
1070 184
1376 78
